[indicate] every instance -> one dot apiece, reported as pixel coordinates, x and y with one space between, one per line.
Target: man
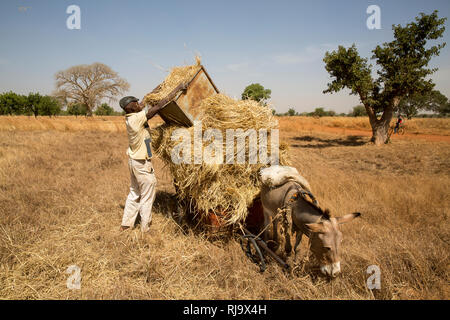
398 124
143 181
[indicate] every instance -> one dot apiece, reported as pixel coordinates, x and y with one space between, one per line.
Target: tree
37 104
432 101
256 92
88 85
49 106
32 104
104 110
76 109
12 103
359 111
319 112
291 112
410 105
402 70
445 110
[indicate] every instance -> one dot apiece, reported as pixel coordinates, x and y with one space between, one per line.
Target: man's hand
154 109
162 103
142 104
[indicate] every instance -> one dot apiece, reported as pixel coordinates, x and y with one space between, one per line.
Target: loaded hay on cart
217 194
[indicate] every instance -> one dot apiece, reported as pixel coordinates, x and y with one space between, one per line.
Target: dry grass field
430 126
63 183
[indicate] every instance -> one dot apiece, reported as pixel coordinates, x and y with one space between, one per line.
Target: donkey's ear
315 227
348 217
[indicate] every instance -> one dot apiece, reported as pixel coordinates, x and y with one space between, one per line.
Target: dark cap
126 100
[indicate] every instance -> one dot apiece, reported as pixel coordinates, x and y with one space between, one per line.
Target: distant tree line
35 104
104 109
409 107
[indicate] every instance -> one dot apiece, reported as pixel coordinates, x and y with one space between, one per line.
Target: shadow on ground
165 203
319 143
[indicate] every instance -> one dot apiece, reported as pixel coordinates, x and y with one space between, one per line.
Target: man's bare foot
122 228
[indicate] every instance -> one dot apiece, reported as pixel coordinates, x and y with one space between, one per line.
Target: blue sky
279 44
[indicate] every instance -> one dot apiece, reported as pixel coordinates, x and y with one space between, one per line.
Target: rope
279 212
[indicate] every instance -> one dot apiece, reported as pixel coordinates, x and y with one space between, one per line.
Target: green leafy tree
358 111
12 103
410 105
319 112
445 110
36 104
291 112
104 110
33 101
49 106
256 92
402 70
432 101
77 109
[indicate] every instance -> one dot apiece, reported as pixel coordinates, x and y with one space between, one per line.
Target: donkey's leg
298 239
288 227
271 232
267 234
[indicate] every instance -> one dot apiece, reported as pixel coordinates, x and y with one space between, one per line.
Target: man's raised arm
154 109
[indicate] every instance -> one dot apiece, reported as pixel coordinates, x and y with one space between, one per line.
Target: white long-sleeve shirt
137 134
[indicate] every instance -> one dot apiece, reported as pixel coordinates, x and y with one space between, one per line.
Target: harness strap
304 194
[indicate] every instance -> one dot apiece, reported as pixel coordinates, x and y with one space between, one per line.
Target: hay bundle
226 190
177 76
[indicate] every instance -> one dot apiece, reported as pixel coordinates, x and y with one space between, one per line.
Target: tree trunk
380 132
89 110
380 127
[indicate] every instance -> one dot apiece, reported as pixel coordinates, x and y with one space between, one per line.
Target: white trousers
142 194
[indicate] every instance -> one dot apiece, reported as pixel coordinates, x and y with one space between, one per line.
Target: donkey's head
326 241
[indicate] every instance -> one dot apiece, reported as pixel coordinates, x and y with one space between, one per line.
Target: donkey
306 218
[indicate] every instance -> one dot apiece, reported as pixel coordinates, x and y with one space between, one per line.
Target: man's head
130 104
